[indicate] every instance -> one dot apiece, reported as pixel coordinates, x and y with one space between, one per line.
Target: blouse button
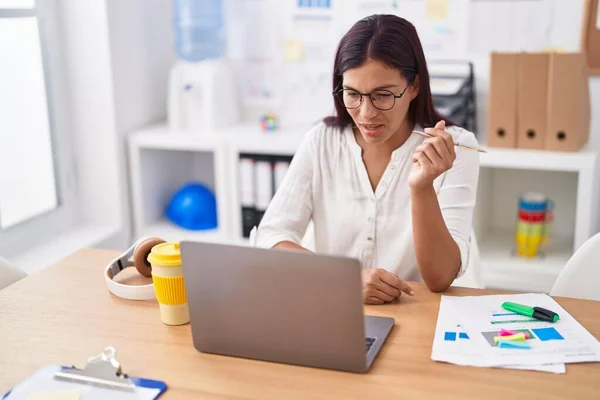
392 167
370 238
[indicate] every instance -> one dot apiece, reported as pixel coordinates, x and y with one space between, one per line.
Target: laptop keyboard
369 342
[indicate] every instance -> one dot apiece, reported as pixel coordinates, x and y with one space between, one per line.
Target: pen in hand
462 146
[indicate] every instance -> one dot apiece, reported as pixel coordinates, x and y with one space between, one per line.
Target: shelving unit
161 160
567 178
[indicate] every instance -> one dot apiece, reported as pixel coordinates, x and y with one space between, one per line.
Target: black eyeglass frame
341 100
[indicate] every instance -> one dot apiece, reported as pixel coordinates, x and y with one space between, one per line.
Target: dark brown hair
394 41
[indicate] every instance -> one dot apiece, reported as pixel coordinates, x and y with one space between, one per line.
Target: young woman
399 202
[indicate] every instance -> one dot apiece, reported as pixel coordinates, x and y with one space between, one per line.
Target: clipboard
102 378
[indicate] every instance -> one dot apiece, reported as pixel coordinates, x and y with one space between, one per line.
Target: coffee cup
167 275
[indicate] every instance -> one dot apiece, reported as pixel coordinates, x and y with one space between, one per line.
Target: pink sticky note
506 332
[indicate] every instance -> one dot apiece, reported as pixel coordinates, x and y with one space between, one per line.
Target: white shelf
250 139
171 232
246 138
160 137
538 159
502 269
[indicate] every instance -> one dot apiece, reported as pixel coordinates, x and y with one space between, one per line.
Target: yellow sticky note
293 51
519 337
437 10
73 394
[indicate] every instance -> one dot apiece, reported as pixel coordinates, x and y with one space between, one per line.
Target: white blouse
327 182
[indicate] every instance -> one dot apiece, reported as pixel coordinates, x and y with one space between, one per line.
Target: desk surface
64 314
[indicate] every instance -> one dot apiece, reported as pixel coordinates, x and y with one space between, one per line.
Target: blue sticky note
450 336
545 334
463 335
513 344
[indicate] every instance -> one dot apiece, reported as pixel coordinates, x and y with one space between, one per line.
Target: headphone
139 251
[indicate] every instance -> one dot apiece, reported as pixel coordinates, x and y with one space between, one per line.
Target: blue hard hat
193 207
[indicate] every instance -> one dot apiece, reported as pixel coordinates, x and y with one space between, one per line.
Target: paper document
506 26
454 345
481 317
255 43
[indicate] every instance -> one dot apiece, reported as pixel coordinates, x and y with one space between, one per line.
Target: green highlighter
534 312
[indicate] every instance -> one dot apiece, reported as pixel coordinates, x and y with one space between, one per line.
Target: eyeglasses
381 99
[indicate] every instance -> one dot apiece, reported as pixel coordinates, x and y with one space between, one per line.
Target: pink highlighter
506 332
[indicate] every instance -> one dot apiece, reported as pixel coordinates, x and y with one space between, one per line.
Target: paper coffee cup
167 275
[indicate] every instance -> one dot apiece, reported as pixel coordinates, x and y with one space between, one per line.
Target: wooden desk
65 314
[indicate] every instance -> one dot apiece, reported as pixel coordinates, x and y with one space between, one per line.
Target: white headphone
139 251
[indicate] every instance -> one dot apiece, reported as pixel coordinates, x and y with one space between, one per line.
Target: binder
502 117
532 98
260 177
247 196
280 169
264 187
102 378
569 102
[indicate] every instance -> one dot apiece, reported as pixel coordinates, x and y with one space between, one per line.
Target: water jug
199 29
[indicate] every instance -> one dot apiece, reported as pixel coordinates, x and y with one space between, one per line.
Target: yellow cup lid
165 254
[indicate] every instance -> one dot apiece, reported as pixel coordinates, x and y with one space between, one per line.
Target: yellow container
528 245
530 228
167 275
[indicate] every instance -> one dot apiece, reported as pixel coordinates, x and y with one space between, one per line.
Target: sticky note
450 336
545 334
506 332
72 394
437 10
520 337
293 51
512 344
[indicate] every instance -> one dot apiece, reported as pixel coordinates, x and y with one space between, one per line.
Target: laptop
280 306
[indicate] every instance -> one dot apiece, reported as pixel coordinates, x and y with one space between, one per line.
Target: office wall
91 113
140 40
118 56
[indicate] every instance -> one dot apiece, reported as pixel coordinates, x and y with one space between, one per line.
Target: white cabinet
162 160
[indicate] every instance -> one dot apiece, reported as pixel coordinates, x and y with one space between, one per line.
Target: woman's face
377 126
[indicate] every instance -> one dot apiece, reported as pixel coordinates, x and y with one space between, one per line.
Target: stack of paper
466 328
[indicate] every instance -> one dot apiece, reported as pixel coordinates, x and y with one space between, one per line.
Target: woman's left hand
432 158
